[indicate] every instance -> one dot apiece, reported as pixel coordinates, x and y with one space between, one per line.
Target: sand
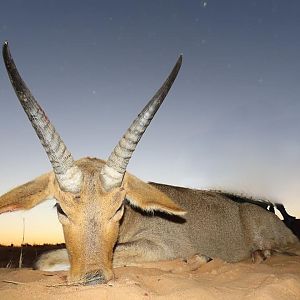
276 278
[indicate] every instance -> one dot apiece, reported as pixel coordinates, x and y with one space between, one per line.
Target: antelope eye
60 210
120 208
62 217
119 213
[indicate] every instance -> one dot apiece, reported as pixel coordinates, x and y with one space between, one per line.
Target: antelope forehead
95 206
92 182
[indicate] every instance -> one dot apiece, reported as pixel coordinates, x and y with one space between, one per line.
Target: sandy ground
276 278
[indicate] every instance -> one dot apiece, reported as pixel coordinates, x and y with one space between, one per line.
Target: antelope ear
146 197
28 195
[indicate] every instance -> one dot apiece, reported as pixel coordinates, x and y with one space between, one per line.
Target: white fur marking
57 267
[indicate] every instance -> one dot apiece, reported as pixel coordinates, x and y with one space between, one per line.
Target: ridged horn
113 171
67 173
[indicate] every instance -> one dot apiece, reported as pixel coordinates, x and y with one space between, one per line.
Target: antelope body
112 218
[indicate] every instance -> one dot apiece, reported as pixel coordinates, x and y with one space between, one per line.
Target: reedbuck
112 218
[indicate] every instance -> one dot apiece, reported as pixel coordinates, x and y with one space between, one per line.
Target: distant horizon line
31 245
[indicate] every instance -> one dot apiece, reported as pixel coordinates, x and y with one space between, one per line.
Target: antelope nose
94 278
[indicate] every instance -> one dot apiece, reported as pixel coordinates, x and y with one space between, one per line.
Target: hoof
197 261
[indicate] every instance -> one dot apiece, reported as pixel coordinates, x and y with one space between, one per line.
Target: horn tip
5 49
5 44
179 60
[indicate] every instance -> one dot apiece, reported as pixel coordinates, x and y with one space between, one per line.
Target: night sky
231 120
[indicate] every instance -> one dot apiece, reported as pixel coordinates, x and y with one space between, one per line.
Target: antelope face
90 192
90 221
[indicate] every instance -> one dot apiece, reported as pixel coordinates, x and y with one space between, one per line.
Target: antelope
111 218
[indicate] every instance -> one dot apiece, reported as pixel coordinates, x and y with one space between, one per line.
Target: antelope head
90 193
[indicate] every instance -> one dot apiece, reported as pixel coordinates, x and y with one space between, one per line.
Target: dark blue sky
231 120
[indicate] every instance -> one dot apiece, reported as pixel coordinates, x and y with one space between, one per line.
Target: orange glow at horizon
7 240
41 226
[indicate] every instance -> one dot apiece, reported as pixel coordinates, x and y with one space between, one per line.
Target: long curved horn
67 173
113 171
